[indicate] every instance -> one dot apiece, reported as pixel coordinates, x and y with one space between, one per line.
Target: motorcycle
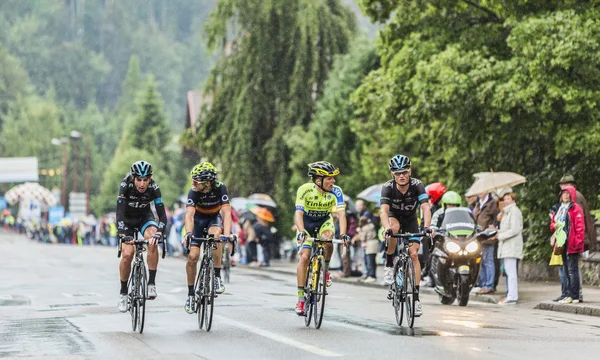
456 257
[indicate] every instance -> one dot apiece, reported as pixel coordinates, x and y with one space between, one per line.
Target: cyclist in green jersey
315 202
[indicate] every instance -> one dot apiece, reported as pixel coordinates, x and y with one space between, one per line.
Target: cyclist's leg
127 253
391 242
412 226
192 259
215 227
327 231
148 230
304 251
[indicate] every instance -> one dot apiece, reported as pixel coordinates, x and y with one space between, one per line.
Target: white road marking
282 339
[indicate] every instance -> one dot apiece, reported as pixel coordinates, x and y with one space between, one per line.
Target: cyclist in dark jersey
208 212
399 199
136 192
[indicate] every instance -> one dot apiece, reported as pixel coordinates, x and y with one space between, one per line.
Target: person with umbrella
263 232
399 199
315 201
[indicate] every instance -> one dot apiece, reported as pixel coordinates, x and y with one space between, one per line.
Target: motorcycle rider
451 199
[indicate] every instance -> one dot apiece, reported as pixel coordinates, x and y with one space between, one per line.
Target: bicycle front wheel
308 293
133 295
321 291
409 292
199 296
142 294
209 299
397 289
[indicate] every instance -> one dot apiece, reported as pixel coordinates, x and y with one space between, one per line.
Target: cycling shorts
407 225
202 224
315 229
140 221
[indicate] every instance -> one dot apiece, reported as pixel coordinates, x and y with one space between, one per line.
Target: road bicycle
204 287
138 280
315 288
402 290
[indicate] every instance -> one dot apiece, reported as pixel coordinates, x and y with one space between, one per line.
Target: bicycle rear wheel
133 289
321 291
397 299
199 296
209 299
309 294
409 292
142 294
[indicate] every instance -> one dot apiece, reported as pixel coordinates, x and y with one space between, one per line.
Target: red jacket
576 224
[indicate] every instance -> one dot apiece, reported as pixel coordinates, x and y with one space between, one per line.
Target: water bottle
399 279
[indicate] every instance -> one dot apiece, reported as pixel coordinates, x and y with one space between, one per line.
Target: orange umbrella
262 213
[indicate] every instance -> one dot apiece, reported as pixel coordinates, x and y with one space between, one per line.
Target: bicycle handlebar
323 240
139 242
232 239
408 235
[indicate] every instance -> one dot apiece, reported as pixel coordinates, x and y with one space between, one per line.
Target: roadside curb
569 308
478 298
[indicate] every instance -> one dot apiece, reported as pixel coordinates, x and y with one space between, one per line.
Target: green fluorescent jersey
317 206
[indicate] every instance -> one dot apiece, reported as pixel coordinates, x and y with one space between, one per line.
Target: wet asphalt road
59 302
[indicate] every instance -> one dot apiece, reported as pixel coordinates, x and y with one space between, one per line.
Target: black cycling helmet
322 168
399 162
141 169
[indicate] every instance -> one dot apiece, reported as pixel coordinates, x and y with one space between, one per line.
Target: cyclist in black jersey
136 192
399 199
208 212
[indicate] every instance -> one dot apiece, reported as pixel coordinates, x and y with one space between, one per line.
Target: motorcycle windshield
458 222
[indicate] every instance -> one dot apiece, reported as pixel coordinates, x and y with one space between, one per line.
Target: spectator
264 235
590 238
362 210
510 243
485 212
590 229
367 234
570 220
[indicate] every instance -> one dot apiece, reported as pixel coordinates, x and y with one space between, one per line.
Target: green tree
330 135
118 168
507 87
13 80
149 130
280 55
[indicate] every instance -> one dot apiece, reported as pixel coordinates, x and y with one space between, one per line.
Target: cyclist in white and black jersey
400 198
136 192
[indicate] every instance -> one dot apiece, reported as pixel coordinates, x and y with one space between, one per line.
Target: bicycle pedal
390 295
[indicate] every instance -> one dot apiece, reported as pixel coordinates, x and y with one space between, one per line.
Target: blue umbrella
371 194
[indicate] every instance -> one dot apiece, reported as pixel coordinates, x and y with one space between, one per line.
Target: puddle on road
42 337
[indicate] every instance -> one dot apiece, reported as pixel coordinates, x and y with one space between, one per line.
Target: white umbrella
30 190
371 194
239 203
494 181
262 200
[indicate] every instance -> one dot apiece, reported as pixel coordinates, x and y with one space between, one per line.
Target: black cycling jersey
208 204
133 205
403 205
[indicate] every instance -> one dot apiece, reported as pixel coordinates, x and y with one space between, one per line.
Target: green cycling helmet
451 198
204 171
